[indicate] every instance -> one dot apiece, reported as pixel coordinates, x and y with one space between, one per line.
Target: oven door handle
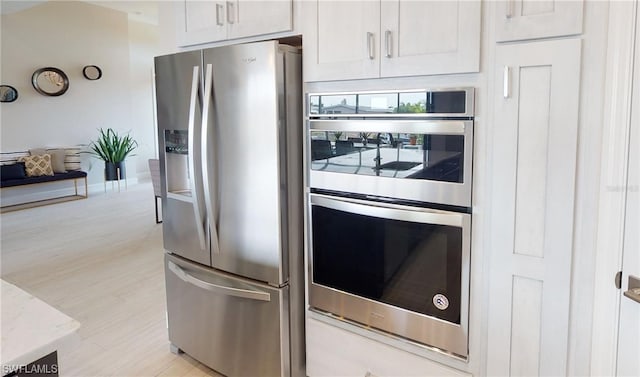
392 211
433 127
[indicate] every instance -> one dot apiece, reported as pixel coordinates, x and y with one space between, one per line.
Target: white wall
143 46
69 35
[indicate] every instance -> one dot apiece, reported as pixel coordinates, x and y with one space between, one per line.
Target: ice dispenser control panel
177 162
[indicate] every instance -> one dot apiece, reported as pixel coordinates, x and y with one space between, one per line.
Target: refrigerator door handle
228 291
204 150
192 143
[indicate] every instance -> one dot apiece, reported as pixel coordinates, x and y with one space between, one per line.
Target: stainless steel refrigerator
230 135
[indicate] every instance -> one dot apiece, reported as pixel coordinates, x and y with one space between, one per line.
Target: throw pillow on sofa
12 171
37 165
57 158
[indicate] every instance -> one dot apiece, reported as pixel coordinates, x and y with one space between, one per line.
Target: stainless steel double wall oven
390 211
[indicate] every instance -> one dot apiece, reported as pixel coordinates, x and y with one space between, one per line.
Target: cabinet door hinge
618 279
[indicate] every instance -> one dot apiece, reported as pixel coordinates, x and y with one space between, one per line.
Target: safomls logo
29 369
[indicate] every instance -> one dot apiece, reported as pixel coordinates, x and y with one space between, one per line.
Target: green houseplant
113 149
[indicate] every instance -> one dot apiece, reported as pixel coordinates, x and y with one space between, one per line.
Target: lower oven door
403 270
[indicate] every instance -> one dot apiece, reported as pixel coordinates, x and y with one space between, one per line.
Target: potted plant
113 148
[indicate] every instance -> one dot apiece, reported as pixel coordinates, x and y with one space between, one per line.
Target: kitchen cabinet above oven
371 39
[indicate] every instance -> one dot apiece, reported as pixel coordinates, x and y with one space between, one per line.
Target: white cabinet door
628 362
534 170
341 40
429 37
201 21
248 18
369 39
332 351
530 19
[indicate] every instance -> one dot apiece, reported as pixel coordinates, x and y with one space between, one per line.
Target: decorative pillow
72 159
37 165
12 171
57 160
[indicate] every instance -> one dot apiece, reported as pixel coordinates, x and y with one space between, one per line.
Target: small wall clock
92 72
8 93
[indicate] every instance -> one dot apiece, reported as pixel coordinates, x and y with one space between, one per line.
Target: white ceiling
140 10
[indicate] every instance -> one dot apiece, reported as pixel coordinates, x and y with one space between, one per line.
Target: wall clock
50 81
8 93
92 72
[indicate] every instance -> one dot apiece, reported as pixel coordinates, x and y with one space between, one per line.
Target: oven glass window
446 102
389 154
333 104
425 102
414 266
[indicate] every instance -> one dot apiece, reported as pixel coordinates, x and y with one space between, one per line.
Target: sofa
41 166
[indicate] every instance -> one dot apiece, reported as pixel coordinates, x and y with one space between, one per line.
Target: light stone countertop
30 327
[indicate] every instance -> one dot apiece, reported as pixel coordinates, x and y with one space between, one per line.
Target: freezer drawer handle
243 293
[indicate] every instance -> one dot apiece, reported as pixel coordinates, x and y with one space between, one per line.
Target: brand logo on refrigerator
249 60
440 301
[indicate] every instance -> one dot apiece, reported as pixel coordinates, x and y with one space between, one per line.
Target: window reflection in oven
396 155
411 265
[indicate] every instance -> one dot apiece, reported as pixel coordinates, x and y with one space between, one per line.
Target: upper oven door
422 160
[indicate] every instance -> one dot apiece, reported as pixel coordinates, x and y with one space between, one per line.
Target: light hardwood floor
99 261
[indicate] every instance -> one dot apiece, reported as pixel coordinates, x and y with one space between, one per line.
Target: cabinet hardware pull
387 43
633 294
509 14
370 45
218 8
231 16
634 289
507 86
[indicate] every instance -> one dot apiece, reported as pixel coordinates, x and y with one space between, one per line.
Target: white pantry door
534 167
628 363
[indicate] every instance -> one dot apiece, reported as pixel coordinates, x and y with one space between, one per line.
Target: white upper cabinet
368 39
200 21
340 40
531 19
247 18
211 21
429 37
